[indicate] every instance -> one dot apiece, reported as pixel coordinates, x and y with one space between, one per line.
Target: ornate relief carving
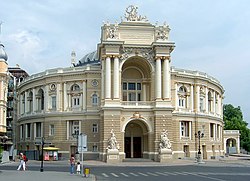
146 53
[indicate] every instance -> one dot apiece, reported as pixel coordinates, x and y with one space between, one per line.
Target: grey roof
3 54
90 58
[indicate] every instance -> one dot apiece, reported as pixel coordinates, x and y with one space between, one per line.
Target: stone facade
127 86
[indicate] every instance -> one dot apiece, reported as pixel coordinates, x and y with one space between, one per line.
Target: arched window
94 99
40 97
30 101
75 96
75 87
182 94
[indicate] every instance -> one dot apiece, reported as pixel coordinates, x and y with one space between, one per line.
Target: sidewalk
42 176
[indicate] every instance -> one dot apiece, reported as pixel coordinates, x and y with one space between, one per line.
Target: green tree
233 120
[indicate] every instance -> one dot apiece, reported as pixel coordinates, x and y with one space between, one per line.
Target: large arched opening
136 139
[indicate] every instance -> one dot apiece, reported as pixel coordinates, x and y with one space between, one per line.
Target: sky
211 36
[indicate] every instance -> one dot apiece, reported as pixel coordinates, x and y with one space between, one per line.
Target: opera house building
127 98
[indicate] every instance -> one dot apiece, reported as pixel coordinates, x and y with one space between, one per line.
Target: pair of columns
116 77
162 78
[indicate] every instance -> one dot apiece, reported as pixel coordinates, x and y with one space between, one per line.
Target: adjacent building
126 87
3 95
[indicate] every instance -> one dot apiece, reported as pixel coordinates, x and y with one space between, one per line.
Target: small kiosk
50 153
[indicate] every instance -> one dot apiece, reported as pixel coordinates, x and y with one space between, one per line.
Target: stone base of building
165 155
113 156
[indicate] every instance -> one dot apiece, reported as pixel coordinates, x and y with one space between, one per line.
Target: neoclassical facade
126 87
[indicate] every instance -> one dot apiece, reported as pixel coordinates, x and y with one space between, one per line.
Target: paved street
228 169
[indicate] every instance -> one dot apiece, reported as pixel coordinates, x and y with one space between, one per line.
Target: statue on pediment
132 14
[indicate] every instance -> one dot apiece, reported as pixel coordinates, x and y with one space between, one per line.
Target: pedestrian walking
22 162
25 159
72 164
78 168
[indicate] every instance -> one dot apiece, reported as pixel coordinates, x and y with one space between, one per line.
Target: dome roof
90 58
3 54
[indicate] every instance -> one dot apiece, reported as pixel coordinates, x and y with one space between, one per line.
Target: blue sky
210 35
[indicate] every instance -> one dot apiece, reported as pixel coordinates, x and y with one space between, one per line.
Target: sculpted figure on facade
132 15
162 34
112 143
112 32
165 142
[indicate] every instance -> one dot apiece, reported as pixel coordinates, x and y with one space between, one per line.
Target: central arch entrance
135 139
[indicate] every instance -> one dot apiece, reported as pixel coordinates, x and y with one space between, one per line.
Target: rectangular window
139 97
132 96
28 131
218 131
51 129
124 96
201 104
39 130
95 148
124 86
211 130
76 101
53 100
185 129
131 86
95 128
75 127
21 131
138 86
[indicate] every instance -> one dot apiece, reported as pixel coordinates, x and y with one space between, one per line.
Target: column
192 97
69 99
67 129
176 97
34 131
65 96
144 92
108 78
214 133
206 100
214 103
42 135
166 79
116 79
158 79
190 130
46 98
102 80
80 126
84 95
219 105
58 97
34 99
21 104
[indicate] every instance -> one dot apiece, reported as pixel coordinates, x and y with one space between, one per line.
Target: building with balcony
126 87
16 76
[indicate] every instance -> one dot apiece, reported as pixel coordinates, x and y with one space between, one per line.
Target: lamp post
41 169
199 135
76 135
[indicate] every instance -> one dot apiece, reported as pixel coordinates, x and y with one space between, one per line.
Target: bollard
86 172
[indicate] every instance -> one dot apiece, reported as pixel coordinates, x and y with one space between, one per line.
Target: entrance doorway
135 144
135 141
